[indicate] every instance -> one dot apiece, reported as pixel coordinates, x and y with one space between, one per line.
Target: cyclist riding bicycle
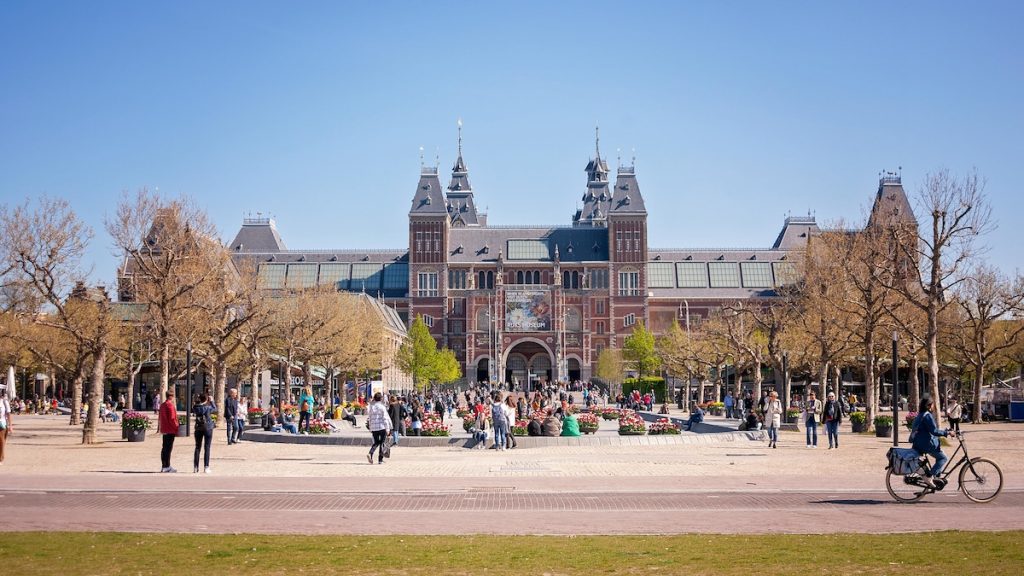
925 439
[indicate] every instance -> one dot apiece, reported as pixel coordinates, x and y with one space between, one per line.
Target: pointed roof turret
891 205
597 198
462 207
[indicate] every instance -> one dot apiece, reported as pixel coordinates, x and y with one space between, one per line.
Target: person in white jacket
510 417
773 418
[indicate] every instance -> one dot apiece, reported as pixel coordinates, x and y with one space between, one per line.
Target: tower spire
460 136
597 140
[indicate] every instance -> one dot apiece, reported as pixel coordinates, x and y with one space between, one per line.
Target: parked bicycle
980 479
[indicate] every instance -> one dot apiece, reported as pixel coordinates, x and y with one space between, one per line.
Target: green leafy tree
638 350
446 367
420 358
610 368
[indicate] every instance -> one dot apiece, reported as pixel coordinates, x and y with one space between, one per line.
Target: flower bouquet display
469 421
631 425
434 426
519 428
589 422
608 413
134 425
858 421
319 426
664 426
908 420
255 415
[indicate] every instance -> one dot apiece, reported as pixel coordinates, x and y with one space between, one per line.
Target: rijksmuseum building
528 303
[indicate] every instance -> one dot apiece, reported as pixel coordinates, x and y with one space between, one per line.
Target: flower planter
883 431
182 431
256 419
588 429
632 432
135 435
859 427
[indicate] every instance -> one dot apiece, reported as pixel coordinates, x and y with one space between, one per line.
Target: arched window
519 277
575 279
490 280
536 276
565 279
481 283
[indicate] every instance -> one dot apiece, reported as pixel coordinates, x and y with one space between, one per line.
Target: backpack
498 415
200 423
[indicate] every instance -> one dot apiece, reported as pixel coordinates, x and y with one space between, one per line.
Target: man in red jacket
169 429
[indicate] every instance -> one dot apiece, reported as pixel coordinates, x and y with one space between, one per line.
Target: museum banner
527 311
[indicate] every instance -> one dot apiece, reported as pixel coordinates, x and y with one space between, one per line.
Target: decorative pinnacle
597 140
460 136
421 156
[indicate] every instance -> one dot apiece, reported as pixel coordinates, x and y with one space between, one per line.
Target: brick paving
51 482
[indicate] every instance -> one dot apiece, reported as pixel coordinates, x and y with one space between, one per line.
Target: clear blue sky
314 112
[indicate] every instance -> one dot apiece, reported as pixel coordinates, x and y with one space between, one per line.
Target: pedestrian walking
204 431
729 403
168 426
832 413
773 418
306 404
499 421
397 412
954 412
241 418
6 422
231 414
379 423
812 415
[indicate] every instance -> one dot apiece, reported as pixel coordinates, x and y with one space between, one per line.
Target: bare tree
45 243
930 259
984 298
169 254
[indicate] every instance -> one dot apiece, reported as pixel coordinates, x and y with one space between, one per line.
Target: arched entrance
574 370
528 363
483 367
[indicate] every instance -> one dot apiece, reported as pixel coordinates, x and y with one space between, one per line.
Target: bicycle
980 479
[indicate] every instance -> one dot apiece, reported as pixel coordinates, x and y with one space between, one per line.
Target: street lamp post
895 394
188 388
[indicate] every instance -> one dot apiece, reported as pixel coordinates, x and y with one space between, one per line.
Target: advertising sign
527 311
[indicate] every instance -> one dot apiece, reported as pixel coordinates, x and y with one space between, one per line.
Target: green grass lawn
71 553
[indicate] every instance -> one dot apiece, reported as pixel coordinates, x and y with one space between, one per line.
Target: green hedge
646 384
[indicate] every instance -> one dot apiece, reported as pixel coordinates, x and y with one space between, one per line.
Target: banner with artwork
527 311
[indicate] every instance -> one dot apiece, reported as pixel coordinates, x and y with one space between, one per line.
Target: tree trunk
757 381
822 380
838 379
221 382
871 387
165 369
718 384
76 395
979 380
933 360
95 397
914 398
254 374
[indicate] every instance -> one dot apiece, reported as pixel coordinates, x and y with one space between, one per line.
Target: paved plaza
736 485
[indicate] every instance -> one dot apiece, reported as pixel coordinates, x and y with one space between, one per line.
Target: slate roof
597 199
429 198
891 204
626 198
461 205
257 235
482 244
795 233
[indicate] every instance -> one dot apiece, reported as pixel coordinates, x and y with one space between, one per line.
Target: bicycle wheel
981 480
904 488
